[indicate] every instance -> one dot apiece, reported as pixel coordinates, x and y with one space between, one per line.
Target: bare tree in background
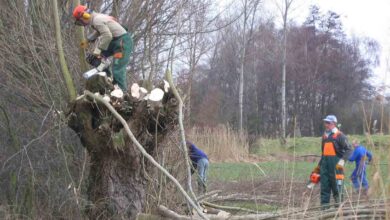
197 43
241 86
284 10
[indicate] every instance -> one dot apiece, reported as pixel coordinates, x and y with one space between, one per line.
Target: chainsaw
314 179
101 66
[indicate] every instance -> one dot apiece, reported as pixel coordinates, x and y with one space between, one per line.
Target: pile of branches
368 209
214 211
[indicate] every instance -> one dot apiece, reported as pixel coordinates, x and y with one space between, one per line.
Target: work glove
101 66
104 64
316 169
84 44
93 60
97 51
340 165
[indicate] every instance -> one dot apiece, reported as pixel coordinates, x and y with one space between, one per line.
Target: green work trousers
328 180
120 48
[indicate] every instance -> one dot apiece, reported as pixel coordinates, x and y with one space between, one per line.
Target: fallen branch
229 208
253 216
309 155
208 195
167 213
144 216
143 151
243 197
344 213
377 210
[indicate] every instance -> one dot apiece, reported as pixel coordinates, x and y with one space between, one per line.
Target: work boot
201 188
365 194
325 206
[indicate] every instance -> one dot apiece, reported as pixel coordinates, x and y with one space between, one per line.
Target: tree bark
116 182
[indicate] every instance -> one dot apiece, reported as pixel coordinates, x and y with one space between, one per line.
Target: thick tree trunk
116 182
116 185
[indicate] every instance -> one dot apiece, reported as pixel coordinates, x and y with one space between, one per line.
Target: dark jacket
342 147
196 154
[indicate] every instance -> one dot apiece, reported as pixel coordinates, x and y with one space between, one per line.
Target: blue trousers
359 178
202 166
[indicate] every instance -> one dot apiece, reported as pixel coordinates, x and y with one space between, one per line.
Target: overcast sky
369 18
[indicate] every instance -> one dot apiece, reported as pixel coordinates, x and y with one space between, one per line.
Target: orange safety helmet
81 11
315 178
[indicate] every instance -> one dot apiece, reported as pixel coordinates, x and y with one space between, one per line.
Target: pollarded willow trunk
116 185
116 182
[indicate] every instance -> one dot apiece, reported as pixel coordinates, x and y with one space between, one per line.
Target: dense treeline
326 74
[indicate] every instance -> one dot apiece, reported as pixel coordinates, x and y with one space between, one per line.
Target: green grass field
249 171
298 170
312 145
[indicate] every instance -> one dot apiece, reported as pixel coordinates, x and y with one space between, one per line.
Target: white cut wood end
166 86
143 90
117 93
156 95
106 98
135 90
104 74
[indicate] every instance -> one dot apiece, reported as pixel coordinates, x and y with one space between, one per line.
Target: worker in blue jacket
200 162
362 157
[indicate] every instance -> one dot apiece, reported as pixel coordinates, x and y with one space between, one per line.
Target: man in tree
200 161
114 40
361 156
335 150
